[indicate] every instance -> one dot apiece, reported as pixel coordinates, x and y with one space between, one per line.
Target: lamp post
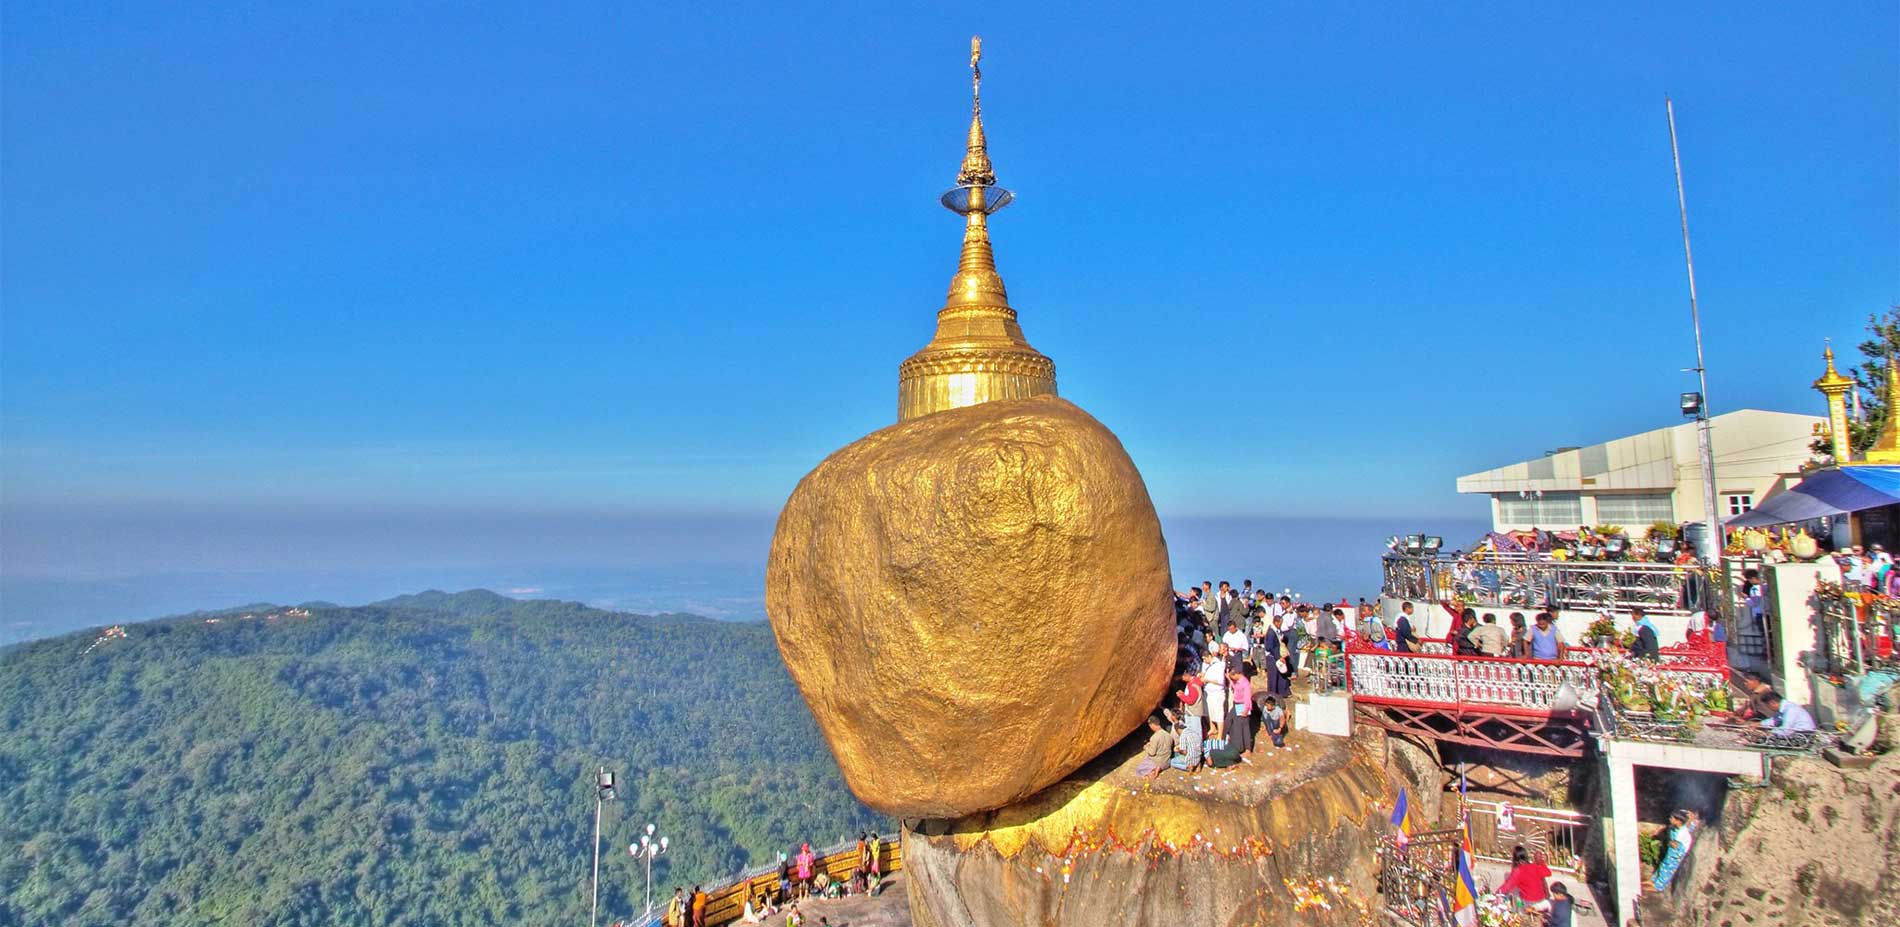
1701 395
603 793
649 848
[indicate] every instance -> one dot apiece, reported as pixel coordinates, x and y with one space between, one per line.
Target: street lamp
649 848
603 793
1700 409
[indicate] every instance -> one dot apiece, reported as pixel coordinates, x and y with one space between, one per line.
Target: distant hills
426 760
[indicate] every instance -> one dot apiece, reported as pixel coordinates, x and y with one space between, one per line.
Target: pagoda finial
976 157
1836 387
979 352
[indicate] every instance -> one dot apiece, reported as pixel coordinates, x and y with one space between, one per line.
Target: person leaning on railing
1545 642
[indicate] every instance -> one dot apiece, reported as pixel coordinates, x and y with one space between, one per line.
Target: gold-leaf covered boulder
974 603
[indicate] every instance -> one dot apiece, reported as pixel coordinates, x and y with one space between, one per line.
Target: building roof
1648 461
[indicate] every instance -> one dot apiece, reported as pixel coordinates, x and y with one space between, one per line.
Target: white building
1650 477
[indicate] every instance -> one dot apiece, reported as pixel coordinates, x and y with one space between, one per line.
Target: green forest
428 760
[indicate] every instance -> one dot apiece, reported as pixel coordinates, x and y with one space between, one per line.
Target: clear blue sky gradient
566 258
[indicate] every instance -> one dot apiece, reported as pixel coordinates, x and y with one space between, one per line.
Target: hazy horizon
708 566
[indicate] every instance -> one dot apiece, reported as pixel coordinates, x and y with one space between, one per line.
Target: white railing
1443 679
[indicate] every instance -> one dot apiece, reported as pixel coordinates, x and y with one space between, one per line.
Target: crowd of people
1238 652
801 876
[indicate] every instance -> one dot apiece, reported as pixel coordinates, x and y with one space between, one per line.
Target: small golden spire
976 156
979 353
1836 387
1832 379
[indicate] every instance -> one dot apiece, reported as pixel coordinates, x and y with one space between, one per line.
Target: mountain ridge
425 759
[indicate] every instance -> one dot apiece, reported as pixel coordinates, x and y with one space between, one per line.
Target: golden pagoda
1836 387
1886 448
979 353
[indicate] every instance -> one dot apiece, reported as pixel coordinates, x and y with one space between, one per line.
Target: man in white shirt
1236 643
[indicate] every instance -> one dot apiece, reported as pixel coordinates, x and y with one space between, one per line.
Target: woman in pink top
1240 718
805 861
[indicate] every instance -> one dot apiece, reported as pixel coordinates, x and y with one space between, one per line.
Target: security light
1691 405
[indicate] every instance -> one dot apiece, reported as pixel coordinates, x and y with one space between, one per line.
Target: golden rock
974 603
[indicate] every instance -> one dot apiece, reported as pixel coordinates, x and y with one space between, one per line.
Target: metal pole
599 800
1701 371
649 857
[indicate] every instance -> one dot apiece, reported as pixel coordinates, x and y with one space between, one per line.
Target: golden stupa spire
979 353
1886 448
976 156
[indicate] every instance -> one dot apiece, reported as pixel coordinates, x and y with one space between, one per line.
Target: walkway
889 908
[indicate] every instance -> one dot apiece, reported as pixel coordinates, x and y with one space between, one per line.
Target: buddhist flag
1402 818
1464 889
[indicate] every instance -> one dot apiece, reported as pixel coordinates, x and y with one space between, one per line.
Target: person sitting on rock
1273 720
1187 749
1155 756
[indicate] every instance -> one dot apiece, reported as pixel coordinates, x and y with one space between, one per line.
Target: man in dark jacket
1646 647
1406 638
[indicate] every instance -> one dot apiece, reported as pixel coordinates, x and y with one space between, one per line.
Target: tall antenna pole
1701 370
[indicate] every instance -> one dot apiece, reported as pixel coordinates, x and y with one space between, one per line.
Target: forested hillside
423 761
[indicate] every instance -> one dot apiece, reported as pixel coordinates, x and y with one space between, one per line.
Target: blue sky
543 261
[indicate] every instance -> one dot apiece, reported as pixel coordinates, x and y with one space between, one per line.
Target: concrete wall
1756 452
1792 608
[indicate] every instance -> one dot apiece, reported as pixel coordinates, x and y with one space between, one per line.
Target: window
1548 510
1635 510
1739 502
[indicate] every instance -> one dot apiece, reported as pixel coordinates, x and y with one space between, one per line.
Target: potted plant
1601 631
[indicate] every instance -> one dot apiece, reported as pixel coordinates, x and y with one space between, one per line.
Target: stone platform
1253 844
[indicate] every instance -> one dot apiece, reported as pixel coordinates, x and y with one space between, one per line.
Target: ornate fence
1414 877
1558 834
1376 675
1856 632
1522 581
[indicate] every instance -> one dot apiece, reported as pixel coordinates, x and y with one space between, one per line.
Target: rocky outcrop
1819 846
1256 846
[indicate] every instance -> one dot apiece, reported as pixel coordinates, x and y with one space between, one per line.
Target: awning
1827 492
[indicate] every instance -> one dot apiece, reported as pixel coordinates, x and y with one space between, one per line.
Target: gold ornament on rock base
974 604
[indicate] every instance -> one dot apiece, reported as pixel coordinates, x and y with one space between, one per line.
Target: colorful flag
1402 818
1464 889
